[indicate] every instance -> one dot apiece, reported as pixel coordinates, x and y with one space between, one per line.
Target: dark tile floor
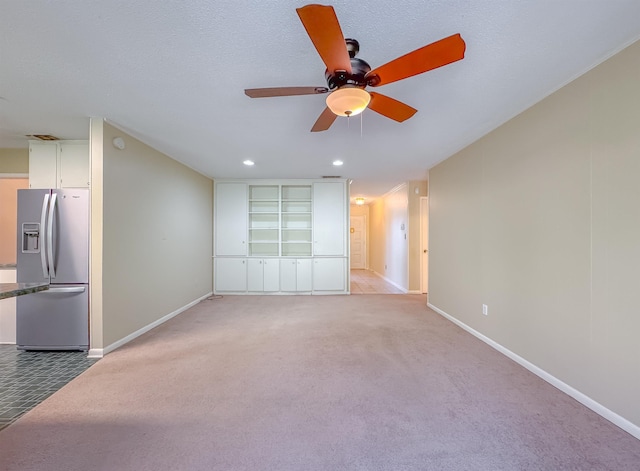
28 378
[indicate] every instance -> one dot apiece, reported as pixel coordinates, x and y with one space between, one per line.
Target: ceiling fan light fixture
348 101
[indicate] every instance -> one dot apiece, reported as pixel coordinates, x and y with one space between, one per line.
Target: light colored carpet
364 382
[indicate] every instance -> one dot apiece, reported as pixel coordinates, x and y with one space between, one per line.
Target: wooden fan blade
284 91
324 30
421 60
325 121
390 108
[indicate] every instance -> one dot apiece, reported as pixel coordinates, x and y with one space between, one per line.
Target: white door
357 235
424 245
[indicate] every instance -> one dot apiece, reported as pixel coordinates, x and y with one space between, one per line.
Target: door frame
424 244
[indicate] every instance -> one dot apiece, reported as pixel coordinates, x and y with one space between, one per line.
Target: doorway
424 245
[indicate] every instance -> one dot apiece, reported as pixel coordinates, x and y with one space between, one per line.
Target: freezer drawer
56 319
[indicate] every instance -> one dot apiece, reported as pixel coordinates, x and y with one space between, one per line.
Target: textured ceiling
172 73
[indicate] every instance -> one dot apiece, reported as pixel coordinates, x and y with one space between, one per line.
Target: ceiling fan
347 76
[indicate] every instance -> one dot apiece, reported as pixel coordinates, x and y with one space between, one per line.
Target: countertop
7 266
10 290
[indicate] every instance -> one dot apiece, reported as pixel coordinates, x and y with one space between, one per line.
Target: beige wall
540 220
156 236
14 160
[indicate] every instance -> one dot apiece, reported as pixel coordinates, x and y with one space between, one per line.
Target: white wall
540 220
156 236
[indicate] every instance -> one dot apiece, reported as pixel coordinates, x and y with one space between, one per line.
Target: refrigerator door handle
52 269
43 246
66 289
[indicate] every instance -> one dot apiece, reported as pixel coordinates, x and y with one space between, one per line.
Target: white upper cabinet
43 165
59 164
329 216
230 226
74 164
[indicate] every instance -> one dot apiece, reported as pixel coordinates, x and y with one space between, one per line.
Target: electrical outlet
485 309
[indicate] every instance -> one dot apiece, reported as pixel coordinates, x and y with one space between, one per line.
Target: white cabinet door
303 274
329 274
255 274
74 165
288 275
295 274
231 274
329 212
271 272
230 225
43 165
263 275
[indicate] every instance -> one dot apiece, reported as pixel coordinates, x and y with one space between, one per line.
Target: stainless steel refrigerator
53 247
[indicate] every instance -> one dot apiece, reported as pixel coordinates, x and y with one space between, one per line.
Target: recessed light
337 163
249 163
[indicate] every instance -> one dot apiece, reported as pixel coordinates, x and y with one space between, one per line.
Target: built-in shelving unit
281 237
296 220
264 220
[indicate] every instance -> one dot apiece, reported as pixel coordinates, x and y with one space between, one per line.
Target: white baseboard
100 352
598 408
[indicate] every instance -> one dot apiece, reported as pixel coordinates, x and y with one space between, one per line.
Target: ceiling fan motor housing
339 78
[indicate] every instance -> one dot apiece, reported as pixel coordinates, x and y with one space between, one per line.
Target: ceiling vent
331 176
43 137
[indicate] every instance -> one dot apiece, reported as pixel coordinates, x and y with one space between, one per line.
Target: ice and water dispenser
31 237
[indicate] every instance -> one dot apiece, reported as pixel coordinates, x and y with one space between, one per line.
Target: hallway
367 282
